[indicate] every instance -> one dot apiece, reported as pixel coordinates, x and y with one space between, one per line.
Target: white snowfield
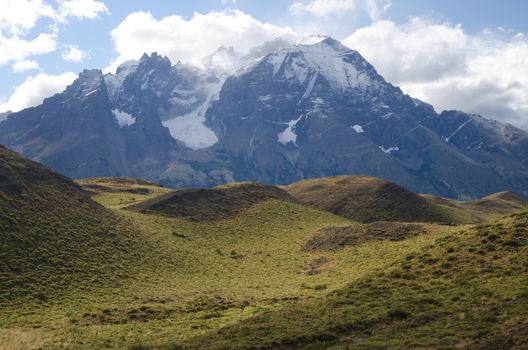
321 58
288 135
357 128
123 118
190 128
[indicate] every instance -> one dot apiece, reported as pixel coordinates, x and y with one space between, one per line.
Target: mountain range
285 112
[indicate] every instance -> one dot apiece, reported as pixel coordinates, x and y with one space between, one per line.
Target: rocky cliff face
321 109
308 110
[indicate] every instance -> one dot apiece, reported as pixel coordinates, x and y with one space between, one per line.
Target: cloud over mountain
442 64
190 40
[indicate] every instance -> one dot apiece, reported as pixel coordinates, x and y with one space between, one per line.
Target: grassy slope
212 204
486 209
204 275
194 280
54 238
368 199
467 290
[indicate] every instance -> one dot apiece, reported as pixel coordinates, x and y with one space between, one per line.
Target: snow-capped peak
342 67
311 39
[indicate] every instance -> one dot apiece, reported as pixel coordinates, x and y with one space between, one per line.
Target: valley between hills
346 262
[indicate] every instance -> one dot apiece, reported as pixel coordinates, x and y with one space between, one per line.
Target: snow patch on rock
123 118
357 128
288 135
389 150
458 129
91 93
190 128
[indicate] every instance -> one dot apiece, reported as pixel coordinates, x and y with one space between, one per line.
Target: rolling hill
491 207
55 238
123 263
367 199
467 290
213 204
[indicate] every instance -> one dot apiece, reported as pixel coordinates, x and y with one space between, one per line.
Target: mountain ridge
302 110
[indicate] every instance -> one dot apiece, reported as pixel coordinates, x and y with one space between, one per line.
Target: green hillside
54 237
482 210
367 199
467 290
212 204
122 263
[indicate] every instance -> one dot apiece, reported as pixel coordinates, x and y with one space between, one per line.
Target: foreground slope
54 237
208 283
467 290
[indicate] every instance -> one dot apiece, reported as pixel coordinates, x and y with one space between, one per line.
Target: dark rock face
70 130
303 111
336 115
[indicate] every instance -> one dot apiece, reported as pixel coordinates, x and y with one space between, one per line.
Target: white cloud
18 16
320 8
34 89
443 65
16 49
24 66
73 54
190 40
81 9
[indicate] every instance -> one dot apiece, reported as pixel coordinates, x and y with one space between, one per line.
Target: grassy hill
265 271
54 237
213 204
367 199
482 210
467 290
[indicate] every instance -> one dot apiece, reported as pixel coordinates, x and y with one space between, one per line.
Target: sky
470 55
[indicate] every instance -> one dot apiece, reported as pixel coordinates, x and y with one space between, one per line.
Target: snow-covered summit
341 66
311 39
